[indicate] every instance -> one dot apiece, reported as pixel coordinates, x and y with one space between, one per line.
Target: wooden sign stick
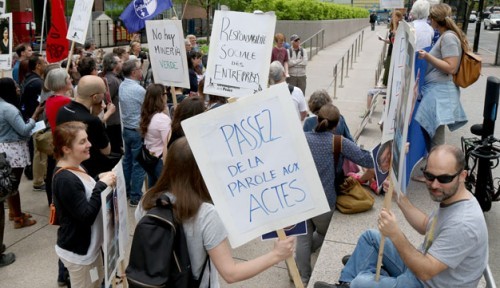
294 271
387 206
70 55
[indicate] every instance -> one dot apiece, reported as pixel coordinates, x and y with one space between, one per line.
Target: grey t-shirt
204 232
460 241
448 45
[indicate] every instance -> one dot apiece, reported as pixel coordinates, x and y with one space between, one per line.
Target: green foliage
307 9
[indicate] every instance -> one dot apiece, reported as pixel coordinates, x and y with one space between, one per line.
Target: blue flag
138 11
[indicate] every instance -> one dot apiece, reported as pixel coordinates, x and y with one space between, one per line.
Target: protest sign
381 155
111 226
391 4
6 49
256 163
79 23
294 230
239 54
167 52
2 6
400 99
121 191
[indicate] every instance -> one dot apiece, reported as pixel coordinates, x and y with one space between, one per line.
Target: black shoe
345 259
133 203
39 188
321 284
7 259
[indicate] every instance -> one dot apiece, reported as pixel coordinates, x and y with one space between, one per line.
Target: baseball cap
294 37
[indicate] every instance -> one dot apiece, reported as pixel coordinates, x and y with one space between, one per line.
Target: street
488 39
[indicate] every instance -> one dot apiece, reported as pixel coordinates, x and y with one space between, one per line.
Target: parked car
473 17
493 21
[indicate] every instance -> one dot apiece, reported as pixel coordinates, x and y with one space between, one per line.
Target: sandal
20 222
25 216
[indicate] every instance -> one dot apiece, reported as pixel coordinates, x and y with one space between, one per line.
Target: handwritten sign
240 53
397 112
257 165
167 52
391 4
6 25
79 23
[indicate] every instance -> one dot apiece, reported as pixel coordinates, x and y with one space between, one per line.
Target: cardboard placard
79 23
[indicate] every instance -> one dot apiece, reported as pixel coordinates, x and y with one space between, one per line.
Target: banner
111 248
57 45
138 11
391 4
239 54
6 42
400 99
257 165
167 52
79 23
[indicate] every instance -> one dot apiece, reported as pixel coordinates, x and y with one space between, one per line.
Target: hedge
307 9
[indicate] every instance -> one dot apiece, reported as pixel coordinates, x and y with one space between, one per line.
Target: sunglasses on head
443 179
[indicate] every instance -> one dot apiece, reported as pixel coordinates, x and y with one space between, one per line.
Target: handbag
7 179
147 161
354 198
43 141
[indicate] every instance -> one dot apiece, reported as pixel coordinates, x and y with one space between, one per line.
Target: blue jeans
132 170
361 268
152 178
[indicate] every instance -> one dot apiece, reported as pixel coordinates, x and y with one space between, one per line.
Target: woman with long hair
80 234
4 44
194 61
393 27
14 135
205 233
155 125
440 104
320 143
189 107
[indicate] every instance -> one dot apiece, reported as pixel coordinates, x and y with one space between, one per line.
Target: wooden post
70 55
174 97
387 206
290 262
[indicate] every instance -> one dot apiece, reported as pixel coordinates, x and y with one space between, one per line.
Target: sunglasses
443 179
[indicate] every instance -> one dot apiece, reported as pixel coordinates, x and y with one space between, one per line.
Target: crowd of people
101 110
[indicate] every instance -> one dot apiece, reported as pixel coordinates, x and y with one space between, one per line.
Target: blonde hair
441 13
398 14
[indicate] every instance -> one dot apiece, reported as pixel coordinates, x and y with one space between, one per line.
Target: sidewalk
36 261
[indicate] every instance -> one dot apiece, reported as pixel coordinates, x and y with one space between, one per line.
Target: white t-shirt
158 130
424 34
299 101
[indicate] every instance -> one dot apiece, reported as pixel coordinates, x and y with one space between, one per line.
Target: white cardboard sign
240 53
391 4
167 52
6 59
79 23
257 165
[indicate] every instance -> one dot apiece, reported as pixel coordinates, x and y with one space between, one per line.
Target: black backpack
159 256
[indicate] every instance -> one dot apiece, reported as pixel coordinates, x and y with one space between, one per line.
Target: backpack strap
337 148
290 88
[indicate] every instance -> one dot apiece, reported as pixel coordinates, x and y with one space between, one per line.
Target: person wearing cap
297 62
131 96
90 92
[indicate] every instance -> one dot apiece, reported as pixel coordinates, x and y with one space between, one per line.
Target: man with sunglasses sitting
455 248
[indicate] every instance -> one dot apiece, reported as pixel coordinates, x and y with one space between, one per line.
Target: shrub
307 10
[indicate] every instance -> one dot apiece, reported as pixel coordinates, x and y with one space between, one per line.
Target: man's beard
445 194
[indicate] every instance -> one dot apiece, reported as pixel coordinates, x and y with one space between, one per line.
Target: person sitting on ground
320 143
316 101
455 248
205 233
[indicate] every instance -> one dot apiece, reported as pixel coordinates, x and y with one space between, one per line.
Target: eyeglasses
443 179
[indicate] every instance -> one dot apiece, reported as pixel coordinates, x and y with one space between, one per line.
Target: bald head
89 86
446 151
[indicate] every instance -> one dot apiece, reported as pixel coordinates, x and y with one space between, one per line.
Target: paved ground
36 264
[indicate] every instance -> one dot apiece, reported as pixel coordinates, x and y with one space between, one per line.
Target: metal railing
316 41
350 56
